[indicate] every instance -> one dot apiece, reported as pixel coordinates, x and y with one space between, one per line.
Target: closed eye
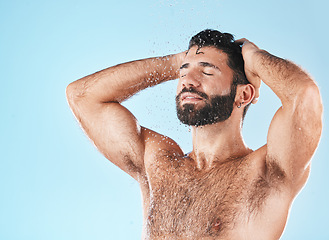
208 74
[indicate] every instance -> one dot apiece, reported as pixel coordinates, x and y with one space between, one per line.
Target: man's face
205 93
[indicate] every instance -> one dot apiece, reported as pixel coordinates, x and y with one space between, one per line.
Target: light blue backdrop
54 184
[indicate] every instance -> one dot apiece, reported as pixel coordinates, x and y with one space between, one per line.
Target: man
221 189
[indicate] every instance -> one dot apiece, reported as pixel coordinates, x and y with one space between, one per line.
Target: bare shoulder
156 145
155 142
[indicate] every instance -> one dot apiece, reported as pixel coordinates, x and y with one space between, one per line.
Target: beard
217 108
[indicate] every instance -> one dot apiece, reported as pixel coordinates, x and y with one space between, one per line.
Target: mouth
190 97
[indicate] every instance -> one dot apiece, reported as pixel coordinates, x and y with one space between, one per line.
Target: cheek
179 86
220 87
225 91
178 91
212 89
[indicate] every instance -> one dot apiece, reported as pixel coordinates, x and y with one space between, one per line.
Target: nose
191 79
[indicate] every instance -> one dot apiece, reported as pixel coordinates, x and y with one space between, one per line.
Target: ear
244 94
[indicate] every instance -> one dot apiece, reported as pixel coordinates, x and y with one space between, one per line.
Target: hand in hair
248 51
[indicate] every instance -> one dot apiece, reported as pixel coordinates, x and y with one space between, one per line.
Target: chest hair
187 202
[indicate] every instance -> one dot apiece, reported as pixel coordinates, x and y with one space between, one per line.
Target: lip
190 97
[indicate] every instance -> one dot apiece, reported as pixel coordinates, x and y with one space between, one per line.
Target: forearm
117 83
286 79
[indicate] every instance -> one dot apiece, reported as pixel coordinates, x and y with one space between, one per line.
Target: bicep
115 132
293 136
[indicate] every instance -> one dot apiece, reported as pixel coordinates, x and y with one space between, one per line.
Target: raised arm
95 101
295 130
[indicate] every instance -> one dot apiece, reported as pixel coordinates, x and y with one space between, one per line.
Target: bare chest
187 202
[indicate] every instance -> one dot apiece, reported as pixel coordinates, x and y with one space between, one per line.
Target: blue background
54 183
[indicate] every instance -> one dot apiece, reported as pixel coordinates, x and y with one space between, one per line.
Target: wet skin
220 198
222 189
233 199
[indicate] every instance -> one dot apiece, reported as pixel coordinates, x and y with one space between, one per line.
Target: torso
232 200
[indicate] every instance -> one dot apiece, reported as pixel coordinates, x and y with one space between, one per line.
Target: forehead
211 54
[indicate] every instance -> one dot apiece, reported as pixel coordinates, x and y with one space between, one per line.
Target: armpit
273 179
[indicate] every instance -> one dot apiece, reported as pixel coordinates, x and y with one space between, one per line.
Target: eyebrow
185 65
197 51
207 64
202 64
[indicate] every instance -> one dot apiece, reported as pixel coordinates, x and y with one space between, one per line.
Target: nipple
216 225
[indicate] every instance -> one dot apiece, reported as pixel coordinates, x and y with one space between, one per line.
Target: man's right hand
95 101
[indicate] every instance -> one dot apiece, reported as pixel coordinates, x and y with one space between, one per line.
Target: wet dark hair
226 43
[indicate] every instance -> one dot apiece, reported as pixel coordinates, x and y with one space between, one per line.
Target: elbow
71 93
74 92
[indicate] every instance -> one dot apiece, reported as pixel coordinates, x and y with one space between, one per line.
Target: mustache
192 90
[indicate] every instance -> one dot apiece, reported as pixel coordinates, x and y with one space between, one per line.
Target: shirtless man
221 189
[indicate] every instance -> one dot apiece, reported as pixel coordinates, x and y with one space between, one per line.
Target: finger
241 41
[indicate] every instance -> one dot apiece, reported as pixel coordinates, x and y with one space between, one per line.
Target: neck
217 143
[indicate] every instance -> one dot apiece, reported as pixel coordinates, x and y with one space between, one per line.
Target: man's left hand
249 49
